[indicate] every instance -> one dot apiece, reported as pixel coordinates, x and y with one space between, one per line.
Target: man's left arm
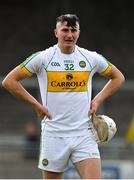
116 79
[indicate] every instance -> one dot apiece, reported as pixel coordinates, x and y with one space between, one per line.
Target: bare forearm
110 88
13 85
16 89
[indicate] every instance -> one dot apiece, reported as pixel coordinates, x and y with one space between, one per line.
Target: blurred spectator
31 137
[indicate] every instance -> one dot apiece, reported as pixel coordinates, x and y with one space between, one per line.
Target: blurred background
27 27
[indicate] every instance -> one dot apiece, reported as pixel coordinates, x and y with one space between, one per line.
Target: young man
65 74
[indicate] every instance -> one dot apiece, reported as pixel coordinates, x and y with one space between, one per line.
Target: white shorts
56 152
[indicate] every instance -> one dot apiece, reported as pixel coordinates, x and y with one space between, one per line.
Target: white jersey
65 82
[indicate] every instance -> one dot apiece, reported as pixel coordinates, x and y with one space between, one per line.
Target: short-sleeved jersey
65 82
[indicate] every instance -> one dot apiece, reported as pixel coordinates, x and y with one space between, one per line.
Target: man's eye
73 30
65 30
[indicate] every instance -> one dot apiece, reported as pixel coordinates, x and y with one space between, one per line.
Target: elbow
122 79
6 83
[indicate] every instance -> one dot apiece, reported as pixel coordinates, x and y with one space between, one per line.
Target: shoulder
49 52
92 55
86 52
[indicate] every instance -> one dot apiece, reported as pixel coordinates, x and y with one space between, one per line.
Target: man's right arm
12 83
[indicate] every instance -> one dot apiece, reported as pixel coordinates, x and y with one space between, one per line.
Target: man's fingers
91 113
44 113
49 116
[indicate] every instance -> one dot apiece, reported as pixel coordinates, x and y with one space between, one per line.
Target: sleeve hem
26 71
108 69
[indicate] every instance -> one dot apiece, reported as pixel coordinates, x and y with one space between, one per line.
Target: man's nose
70 33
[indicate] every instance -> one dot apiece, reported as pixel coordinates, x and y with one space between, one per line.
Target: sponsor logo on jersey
82 64
64 81
55 63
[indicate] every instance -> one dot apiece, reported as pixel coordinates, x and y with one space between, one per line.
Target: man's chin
69 44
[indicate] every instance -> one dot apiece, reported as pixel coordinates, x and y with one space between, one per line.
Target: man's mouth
69 41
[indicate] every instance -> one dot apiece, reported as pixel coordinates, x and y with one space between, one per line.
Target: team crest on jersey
82 64
45 162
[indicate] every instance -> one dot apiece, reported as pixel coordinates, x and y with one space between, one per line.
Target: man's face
67 35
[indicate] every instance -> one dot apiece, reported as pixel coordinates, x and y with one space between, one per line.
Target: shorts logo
82 64
55 63
45 162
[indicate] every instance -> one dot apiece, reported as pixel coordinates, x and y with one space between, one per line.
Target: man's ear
55 32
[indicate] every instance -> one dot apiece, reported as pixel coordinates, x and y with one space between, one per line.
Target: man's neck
66 50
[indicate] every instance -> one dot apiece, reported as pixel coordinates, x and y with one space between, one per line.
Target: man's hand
42 111
95 103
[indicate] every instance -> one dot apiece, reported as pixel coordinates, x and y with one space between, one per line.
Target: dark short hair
71 19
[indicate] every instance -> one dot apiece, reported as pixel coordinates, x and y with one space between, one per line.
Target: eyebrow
73 29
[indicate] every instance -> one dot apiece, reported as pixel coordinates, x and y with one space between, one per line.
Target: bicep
114 73
17 74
